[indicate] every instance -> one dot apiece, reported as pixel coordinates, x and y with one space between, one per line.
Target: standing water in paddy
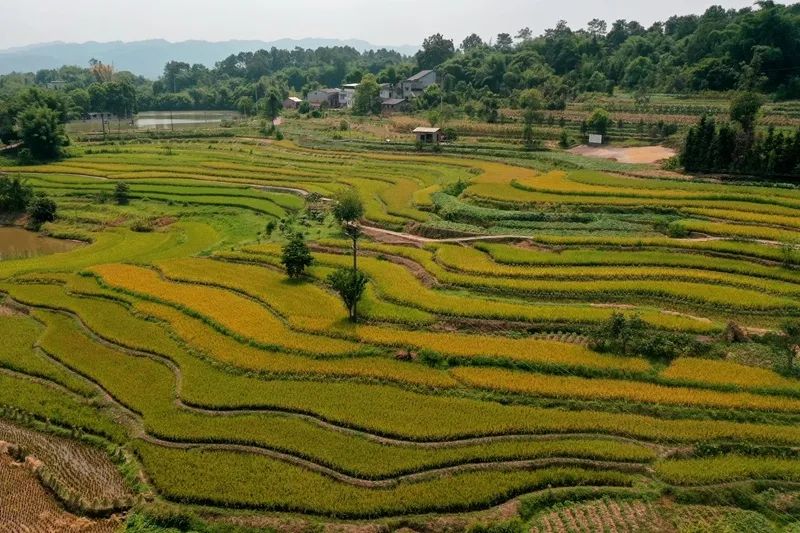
19 243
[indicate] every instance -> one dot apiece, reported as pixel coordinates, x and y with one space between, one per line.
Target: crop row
703 287
394 411
611 389
504 254
123 375
232 312
19 336
728 468
270 287
232 480
396 283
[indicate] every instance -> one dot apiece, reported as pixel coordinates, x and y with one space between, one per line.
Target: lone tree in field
122 193
348 211
350 285
600 121
296 256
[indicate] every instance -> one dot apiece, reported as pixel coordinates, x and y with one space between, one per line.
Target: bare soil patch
25 505
635 155
75 468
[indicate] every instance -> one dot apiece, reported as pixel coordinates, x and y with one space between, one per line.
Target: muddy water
16 243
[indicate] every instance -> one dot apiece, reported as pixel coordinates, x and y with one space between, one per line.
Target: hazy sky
378 21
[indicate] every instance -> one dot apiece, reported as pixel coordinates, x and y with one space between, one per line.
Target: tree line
737 147
751 49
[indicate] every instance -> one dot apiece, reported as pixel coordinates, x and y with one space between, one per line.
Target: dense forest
755 49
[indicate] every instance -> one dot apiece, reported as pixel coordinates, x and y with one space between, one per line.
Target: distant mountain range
148 58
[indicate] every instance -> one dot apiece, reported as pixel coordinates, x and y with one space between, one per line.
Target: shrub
122 193
42 209
564 140
676 230
450 134
632 336
142 225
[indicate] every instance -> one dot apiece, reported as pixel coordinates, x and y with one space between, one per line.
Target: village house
391 105
416 84
347 96
292 102
389 91
324 98
429 135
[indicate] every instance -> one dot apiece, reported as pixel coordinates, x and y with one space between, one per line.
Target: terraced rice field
170 363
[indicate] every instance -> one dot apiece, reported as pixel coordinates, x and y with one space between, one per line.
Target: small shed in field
595 139
429 135
292 102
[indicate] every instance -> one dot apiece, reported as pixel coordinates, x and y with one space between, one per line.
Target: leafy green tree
296 256
41 209
350 285
348 211
122 193
80 102
504 42
472 42
638 72
15 194
270 106
245 105
368 96
599 121
524 35
435 51
744 109
531 101
39 128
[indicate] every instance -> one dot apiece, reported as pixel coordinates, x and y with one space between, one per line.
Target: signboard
595 139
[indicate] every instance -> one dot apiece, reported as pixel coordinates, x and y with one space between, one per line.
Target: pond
155 120
163 119
16 243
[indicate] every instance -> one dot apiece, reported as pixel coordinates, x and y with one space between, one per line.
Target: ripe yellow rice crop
542 352
231 311
204 339
727 373
610 389
727 468
396 283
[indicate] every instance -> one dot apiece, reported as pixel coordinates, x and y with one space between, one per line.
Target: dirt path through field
636 155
